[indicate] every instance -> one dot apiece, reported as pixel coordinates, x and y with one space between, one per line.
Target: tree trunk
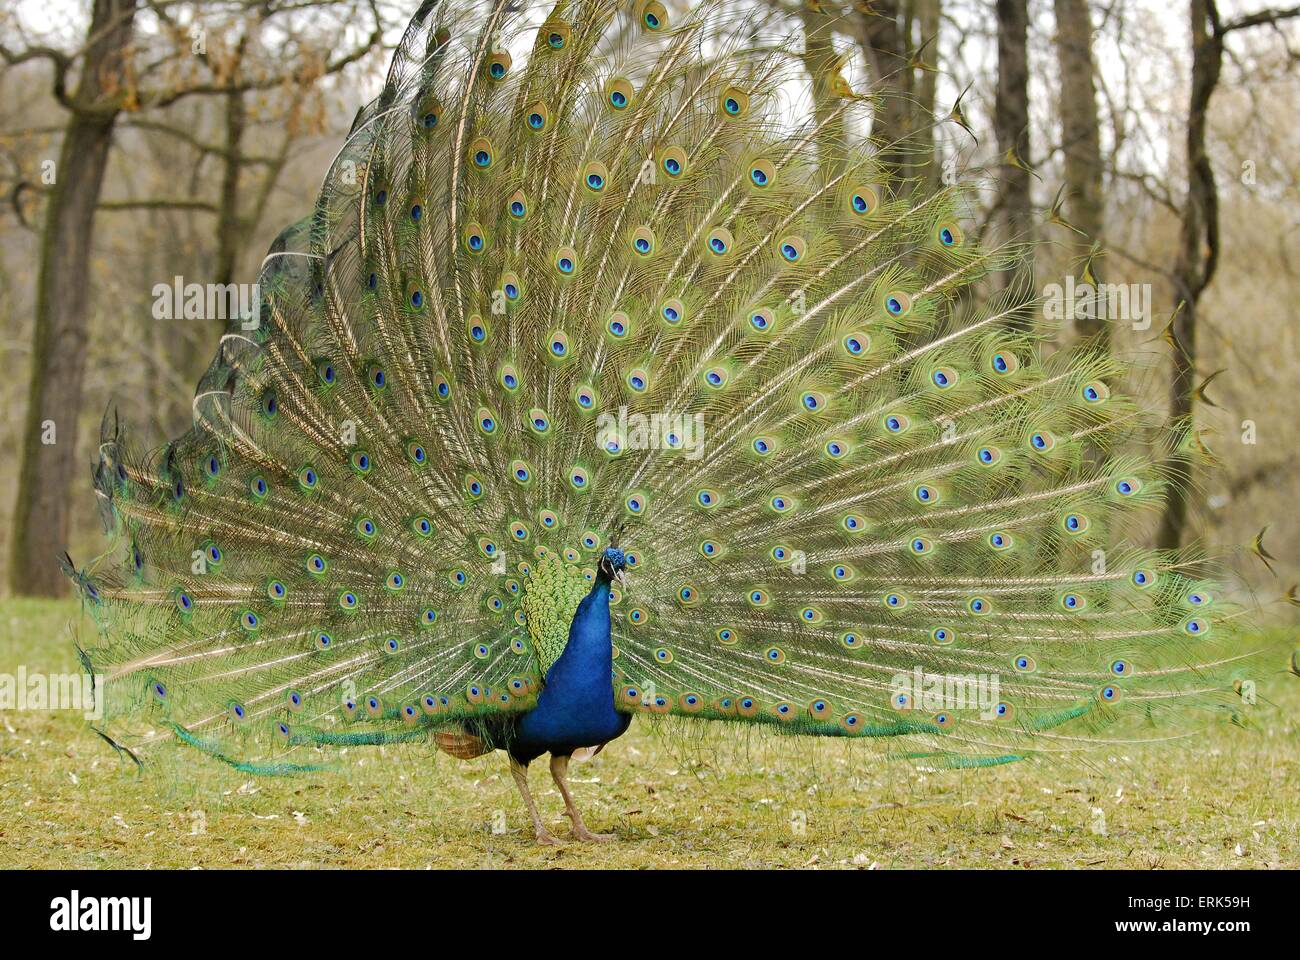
885 48
1011 119
929 18
1081 139
41 511
1197 255
230 228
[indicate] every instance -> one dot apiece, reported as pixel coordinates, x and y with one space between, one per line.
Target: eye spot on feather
1041 441
1196 627
1000 541
653 16
719 241
897 303
1073 602
249 622
557 345
566 261
1004 363
322 640
897 423
950 235
308 479
895 601
920 546
791 248
498 65
943 636
422 527
672 161
1143 578
1075 523
1121 668
1024 663
762 174
316 564
618 93
979 606
944 377
481 153
595 176
821 709
276 590
850 640
475 238
556 34
863 201
1128 486
734 103
1111 693
761 320
1094 392
856 344
763 446
643 241
813 401
758 597
664 655
926 495
988 456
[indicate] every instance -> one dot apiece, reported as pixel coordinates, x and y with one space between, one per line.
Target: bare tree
1011 119
116 72
1198 249
1081 143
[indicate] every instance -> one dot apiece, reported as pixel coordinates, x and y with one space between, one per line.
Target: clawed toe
582 833
547 839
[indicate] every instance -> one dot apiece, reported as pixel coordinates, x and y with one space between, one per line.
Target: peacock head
612 563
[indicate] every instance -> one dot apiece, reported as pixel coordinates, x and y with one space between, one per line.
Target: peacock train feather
580 278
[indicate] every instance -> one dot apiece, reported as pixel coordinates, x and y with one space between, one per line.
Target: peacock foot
547 839
582 833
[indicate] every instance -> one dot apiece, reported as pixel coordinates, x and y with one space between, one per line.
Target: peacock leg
560 773
520 773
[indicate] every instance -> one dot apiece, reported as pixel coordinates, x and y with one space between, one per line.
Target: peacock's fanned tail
585 273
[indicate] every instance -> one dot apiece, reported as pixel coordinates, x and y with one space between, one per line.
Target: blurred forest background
1145 143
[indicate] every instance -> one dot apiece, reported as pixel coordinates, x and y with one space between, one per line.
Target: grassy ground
708 798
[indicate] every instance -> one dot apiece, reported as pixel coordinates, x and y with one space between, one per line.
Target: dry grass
705 798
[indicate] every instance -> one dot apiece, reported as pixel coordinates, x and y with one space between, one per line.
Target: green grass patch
702 796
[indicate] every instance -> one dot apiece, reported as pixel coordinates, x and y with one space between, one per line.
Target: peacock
609 377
